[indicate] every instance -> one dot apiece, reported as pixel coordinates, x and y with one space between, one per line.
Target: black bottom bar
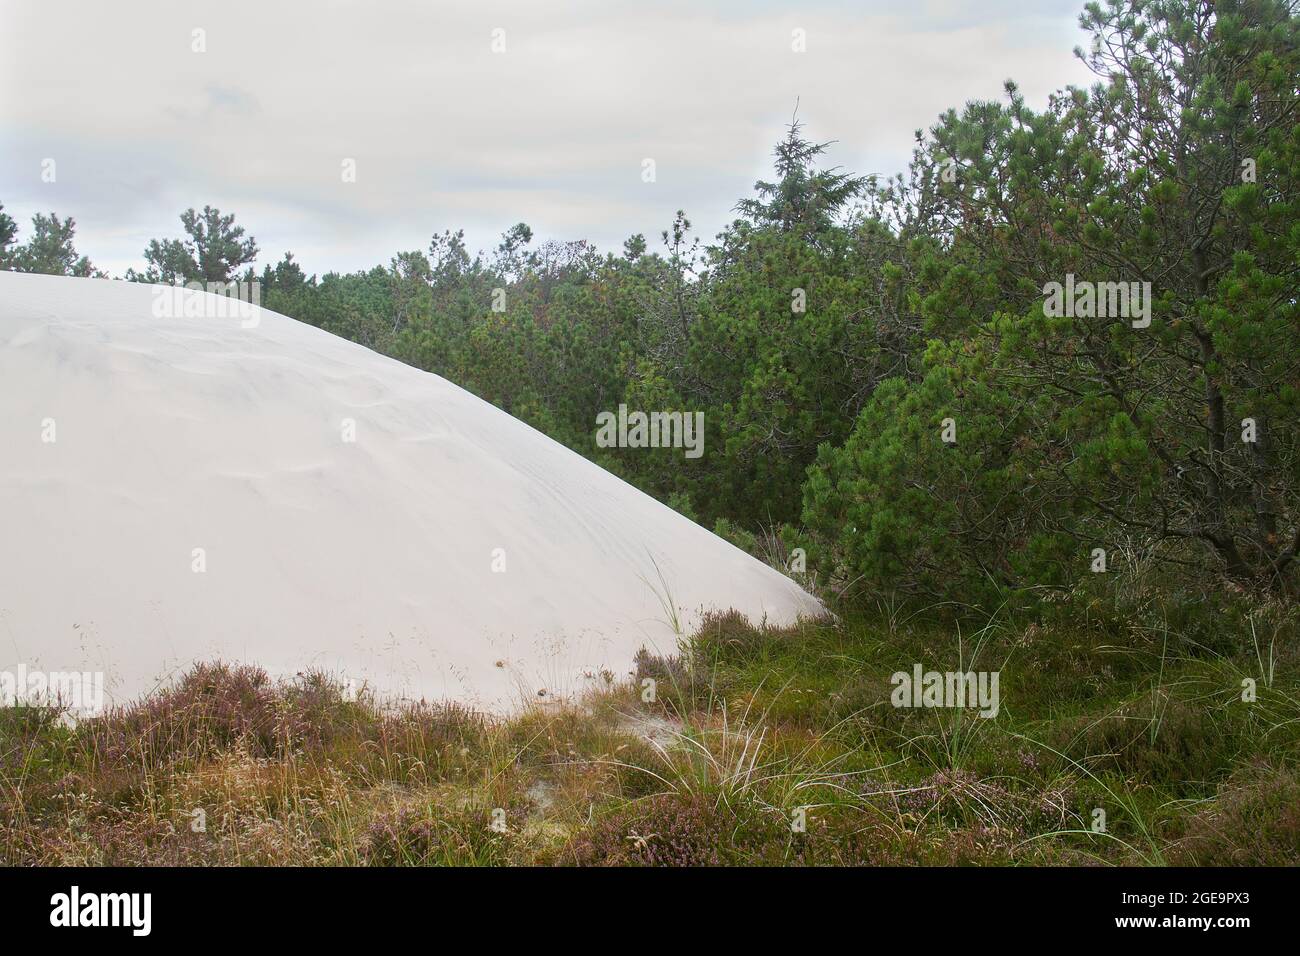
333 905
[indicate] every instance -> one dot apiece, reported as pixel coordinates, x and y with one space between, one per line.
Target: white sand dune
371 559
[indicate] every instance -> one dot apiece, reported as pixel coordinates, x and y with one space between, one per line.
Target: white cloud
447 134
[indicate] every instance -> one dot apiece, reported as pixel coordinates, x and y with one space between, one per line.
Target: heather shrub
210 709
675 682
1158 738
677 830
216 708
732 638
429 836
1255 821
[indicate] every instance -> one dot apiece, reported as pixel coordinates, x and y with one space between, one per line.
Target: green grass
762 746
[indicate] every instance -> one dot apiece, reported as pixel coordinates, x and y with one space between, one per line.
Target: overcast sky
447 133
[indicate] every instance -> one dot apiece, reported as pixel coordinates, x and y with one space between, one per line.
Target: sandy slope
371 559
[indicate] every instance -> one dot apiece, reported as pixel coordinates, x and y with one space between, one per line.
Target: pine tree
51 249
213 251
8 229
802 199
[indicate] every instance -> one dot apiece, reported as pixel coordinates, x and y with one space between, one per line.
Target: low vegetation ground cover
1114 743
